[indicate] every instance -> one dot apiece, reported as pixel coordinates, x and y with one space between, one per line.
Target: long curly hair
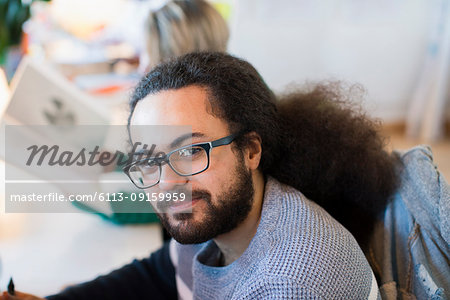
335 155
313 139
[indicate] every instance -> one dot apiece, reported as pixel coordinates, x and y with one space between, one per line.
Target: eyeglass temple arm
224 141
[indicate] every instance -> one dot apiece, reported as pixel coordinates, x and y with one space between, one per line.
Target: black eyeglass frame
207 146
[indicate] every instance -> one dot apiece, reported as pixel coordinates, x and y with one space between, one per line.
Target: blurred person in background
183 26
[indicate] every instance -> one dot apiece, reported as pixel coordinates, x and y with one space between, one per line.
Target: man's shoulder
293 211
308 245
297 216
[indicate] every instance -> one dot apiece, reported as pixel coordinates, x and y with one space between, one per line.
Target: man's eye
188 152
150 163
149 167
147 164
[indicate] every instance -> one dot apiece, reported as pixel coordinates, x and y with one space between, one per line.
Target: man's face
222 196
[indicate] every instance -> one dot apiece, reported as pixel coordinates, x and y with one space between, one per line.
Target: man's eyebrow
176 143
179 140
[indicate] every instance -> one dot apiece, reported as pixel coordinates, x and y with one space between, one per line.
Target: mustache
163 205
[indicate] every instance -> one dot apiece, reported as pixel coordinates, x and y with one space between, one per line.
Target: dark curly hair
335 156
313 140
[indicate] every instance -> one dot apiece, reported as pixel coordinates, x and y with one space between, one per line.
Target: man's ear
253 151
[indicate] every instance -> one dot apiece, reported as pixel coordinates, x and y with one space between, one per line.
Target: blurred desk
45 252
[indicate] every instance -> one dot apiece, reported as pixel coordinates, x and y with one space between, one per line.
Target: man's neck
233 244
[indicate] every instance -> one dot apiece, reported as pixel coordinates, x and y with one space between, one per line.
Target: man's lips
181 206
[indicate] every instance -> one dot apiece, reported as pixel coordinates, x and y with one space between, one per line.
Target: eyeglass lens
185 161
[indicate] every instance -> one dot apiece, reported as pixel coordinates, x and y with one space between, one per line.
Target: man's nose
170 179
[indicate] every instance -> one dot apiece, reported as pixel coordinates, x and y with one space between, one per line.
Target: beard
232 208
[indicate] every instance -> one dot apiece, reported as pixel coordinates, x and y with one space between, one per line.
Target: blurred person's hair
184 26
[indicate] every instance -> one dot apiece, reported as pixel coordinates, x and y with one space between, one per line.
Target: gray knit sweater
298 252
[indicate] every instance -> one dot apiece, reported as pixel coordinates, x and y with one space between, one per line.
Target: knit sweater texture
299 252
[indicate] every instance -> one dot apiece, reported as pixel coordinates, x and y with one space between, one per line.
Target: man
245 234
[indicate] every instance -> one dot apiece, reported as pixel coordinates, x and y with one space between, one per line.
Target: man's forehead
163 137
187 106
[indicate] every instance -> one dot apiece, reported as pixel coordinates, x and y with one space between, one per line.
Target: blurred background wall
381 44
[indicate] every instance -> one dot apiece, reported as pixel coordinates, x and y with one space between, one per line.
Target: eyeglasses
185 161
